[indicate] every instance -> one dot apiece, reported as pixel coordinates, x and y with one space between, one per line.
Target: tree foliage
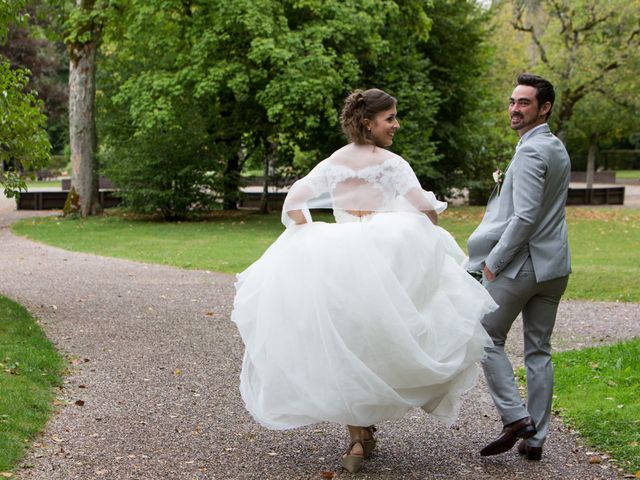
197 90
588 50
201 88
585 46
23 140
459 51
28 46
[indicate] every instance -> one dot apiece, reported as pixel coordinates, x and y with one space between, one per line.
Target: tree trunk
231 183
565 114
264 199
82 123
591 159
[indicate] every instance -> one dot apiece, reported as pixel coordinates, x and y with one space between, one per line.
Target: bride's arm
295 209
433 216
409 187
297 216
417 199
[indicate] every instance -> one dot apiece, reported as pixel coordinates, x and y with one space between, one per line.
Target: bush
168 167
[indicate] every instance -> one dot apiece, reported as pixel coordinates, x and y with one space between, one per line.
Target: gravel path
155 359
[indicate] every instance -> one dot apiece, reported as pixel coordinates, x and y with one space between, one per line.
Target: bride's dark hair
361 105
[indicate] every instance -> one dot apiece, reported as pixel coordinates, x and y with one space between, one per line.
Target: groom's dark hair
544 89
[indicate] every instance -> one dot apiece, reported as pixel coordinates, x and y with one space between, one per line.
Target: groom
522 249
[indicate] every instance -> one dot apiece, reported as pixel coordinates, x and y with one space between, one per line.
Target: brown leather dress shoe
529 452
523 428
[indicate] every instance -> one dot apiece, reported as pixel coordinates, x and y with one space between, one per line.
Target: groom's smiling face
524 112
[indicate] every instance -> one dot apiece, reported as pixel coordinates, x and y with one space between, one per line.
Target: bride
360 320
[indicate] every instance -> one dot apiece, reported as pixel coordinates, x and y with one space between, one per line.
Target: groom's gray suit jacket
527 217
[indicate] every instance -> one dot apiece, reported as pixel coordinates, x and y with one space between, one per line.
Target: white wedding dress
361 320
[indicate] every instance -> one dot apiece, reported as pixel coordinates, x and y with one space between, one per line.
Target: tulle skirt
359 322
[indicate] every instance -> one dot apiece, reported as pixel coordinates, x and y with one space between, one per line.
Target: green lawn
596 392
34 184
30 368
627 174
605 243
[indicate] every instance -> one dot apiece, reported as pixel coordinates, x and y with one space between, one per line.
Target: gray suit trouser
538 303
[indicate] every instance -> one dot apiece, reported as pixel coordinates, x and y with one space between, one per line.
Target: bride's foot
368 440
354 458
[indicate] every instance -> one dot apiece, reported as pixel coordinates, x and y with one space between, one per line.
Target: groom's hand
488 274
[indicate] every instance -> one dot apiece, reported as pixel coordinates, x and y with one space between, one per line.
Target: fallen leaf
209 314
327 474
6 474
595 459
177 371
80 403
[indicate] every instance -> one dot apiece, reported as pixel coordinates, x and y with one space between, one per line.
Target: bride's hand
433 216
297 216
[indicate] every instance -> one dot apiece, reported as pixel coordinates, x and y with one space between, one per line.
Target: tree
603 120
84 27
478 129
582 45
259 81
28 46
23 140
459 51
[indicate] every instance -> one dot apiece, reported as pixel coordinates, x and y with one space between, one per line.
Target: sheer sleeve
309 191
408 187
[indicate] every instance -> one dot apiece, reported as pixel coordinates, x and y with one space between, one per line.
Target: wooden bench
54 200
604 176
596 196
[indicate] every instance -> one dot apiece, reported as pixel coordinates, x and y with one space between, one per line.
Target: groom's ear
545 109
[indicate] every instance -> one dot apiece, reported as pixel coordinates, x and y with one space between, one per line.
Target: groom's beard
524 123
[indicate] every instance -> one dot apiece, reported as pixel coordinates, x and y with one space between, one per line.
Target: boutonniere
498 177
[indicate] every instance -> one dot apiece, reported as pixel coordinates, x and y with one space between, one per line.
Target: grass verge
596 392
605 243
35 184
29 369
627 174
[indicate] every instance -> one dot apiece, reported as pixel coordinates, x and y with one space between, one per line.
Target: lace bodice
360 178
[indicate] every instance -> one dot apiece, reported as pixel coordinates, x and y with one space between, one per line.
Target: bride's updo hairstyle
361 105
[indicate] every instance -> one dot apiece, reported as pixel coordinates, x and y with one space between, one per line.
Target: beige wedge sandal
369 444
353 463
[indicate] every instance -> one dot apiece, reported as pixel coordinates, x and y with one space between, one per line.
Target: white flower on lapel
498 177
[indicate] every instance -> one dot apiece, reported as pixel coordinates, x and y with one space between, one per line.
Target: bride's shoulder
397 160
